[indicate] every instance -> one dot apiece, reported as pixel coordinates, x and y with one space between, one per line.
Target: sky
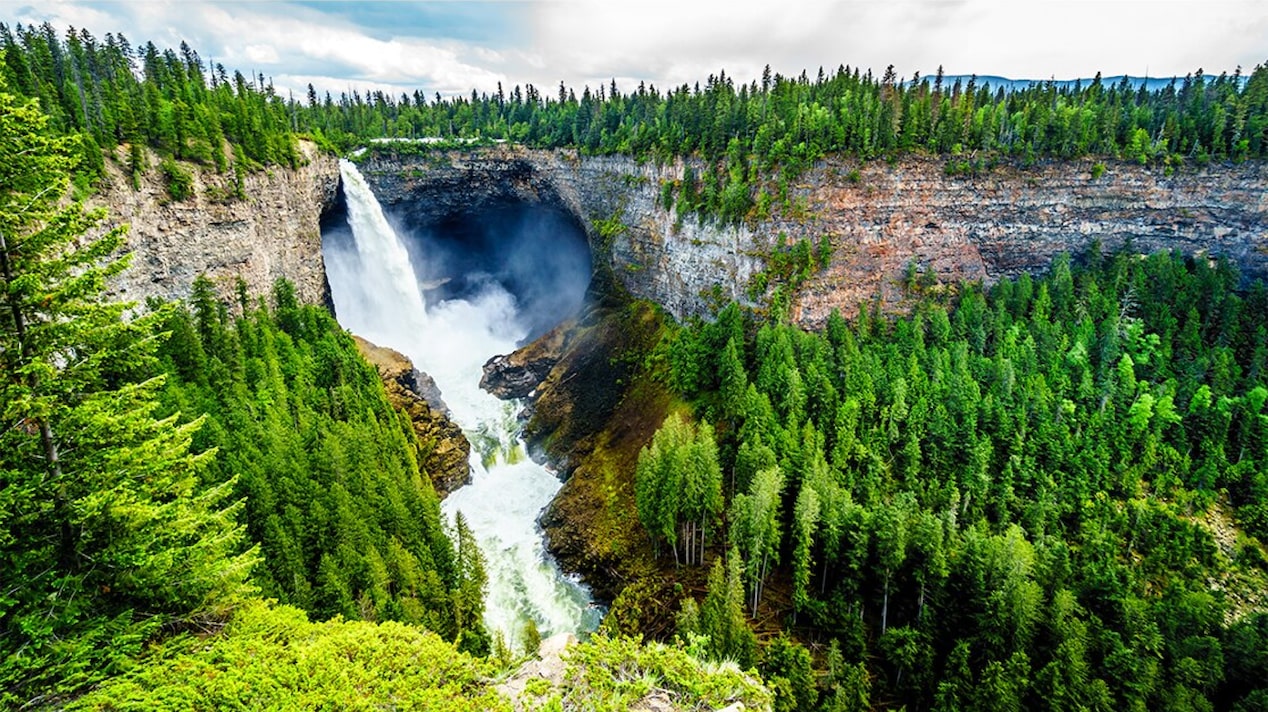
454 47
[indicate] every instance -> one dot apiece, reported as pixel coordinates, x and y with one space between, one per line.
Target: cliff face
649 255
878 216
273 233
443 449
1013 220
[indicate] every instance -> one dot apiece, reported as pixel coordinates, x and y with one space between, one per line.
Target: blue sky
452 47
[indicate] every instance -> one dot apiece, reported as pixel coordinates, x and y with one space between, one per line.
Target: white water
376 295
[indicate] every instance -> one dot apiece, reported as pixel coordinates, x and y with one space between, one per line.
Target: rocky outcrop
517 375
272 233
879 217
444 451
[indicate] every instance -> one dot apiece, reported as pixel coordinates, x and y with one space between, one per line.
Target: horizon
454 47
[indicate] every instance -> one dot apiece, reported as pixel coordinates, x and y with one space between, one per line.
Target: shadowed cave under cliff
536 251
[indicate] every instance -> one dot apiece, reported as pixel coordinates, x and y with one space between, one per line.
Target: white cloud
261 54
685 41
670 43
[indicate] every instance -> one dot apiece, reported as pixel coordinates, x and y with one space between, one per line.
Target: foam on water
376 295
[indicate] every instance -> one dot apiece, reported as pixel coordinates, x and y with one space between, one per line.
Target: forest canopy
1049 494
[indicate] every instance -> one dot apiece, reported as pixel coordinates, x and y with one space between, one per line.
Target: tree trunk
46 431
885 606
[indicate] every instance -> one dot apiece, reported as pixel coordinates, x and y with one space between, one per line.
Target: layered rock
444 451
879 217
273 232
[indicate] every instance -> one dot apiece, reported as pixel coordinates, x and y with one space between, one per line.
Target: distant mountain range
995 82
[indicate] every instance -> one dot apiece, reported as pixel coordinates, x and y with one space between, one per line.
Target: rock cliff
878 216
639 248
443 451
1013 219
274 232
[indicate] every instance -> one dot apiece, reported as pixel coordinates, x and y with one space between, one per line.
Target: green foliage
787 670
274 658
678 487
180 182
346 522
787 268
112 93
747 143
1000 504
106 530
607 673
721 617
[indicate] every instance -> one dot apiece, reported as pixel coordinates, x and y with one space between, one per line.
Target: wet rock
444 451
426 388
518 374
508 380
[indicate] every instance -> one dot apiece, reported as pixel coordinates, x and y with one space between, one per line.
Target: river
378 296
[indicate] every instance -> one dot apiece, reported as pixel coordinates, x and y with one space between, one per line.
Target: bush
180 182
275 658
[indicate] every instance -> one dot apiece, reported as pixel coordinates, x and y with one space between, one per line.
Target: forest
162 470
1048 494
1051 493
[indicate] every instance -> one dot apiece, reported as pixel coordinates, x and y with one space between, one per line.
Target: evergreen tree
107 533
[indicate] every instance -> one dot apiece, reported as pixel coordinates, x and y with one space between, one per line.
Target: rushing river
377 295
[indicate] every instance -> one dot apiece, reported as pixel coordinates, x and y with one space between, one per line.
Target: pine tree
469 596
721 616
106 533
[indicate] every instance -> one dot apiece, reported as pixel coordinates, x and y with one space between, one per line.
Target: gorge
880 217
450 332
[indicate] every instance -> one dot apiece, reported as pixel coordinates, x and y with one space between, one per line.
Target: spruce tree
105 533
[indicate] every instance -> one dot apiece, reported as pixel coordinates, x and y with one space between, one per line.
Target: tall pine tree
104 531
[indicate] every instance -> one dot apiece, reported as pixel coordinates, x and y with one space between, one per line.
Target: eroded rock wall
653 255
274 232
1012 220
878 216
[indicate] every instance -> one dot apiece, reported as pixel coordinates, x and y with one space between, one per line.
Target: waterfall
376 294
380 291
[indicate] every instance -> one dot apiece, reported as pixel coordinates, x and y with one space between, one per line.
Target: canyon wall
273 232
1012 219
879 217
647 253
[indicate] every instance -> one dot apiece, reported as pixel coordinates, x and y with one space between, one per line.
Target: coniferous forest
1049 493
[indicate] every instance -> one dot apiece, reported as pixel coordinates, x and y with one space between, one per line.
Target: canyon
880 217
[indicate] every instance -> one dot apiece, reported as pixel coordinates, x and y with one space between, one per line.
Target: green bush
180 182
275 658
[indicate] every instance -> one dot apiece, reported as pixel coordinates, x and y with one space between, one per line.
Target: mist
536 253
489 291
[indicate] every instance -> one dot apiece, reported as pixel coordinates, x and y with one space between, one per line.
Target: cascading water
376 295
